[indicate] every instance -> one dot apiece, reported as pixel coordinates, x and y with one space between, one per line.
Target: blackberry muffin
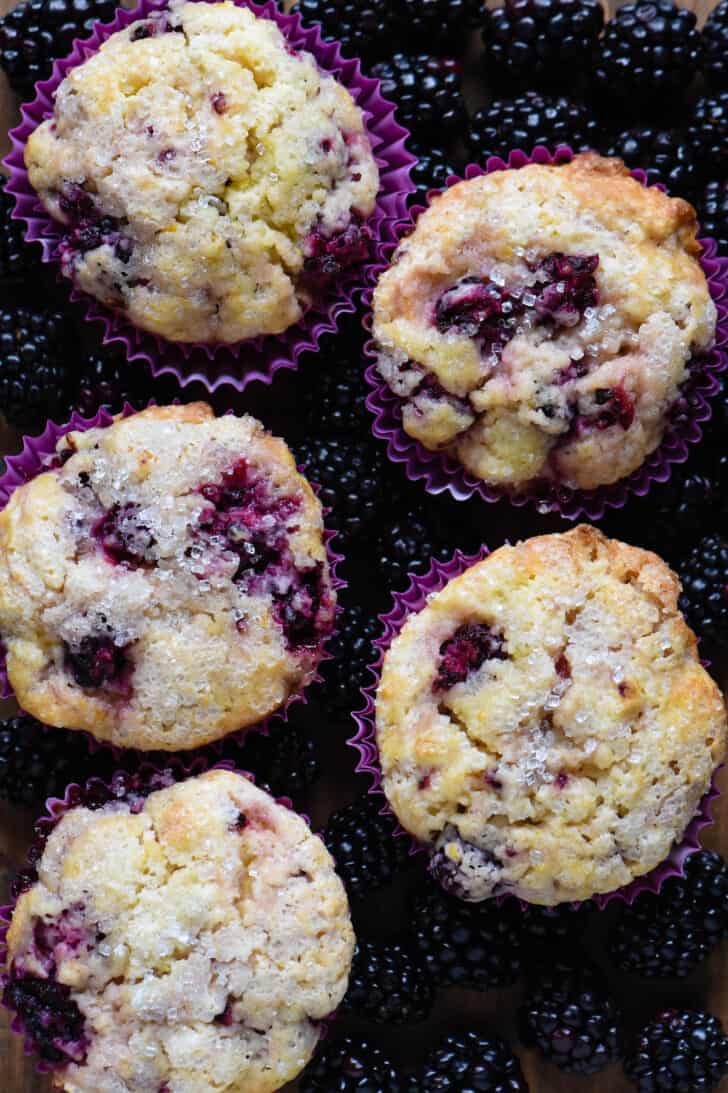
538 323
165 582
193 940
544 723
211 180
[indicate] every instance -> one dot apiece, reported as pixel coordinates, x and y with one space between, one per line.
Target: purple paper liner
257 359
33 460
439 471
119 785
364 740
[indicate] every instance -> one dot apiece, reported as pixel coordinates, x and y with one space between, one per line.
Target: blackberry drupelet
366 28
472 1061
713 213
571 1018
336 393
19 261
36 32
364 847
345 1066
715 47
431 172
427 94
541 43
438 24
665 155
465 944
106 379
669 933
285 760
352 652
34 379
407 546
679 1051
707 133
704 577
529 120
37 763
648 55
564 924
388 985
349 472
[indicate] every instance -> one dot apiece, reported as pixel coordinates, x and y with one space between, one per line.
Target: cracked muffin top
538 323
544 723
165 582
190 941
211 180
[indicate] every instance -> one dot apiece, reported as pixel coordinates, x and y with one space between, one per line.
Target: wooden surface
494 1010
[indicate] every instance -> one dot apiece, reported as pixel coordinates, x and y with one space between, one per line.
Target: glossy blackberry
349 472
345 1066
438 24
668 934
364 847
285 760
106 379
335 397
713 213
715 47
34 380
426 91
665 155
352 652
464 944
19 261
529 120
431 171
708 135
472 1061
388 985
648 54
366 28
704 578
407 546
571 1018
563 925
679 1051
37 763
36 32
541 43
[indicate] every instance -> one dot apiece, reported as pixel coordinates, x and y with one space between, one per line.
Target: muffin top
211 180
192 941
537 323
544 723
165 582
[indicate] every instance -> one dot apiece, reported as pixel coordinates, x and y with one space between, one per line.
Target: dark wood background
495 1009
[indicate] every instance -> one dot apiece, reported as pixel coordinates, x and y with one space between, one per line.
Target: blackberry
335 398
679 1051
19 261
665 155
36 32
107 379
34 380
364 847
668 934
345 1066
387 985
541 43
366 28
443 24
552 926
431 171
349 472
529 120
472 1061
715 46
571 1018
713 213
648 54
407 546
708 134
37 763
285 760
49 1017
426 91
352 652
465 944
704 578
